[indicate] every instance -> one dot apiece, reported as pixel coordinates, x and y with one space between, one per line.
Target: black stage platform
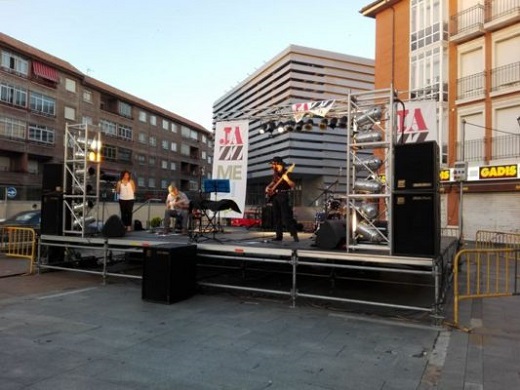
247 260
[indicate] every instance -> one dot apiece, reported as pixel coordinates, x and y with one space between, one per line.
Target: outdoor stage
248 261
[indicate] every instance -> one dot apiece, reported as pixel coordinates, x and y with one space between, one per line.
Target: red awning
44 71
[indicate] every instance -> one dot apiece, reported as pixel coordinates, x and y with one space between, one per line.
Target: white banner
230 162
420 122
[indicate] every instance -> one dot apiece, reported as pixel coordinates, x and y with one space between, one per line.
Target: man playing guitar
278 194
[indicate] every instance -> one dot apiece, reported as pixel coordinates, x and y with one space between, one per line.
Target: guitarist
278 193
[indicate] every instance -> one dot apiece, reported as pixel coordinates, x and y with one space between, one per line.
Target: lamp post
461 181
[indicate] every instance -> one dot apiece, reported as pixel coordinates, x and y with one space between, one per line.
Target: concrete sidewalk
67 330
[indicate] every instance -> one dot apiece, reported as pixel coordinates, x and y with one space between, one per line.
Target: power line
492 129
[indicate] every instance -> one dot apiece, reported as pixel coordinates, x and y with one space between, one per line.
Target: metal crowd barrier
496 240
19 242
484 273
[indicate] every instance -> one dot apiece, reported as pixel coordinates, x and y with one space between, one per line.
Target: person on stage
177 205
278 193
125 188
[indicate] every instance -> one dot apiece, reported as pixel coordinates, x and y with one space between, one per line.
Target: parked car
251 219
30 219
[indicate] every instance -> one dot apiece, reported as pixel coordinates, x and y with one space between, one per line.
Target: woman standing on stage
125 188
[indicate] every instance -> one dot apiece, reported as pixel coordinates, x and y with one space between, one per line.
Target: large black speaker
416 167
331 234
267 217
169 273
416 224
113 227
52 214
52 179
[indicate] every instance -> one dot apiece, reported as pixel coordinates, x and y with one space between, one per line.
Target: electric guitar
270 190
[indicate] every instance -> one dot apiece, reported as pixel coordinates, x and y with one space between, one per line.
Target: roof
66 67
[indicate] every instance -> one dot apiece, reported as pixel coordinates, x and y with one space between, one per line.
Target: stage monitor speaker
169 273
416 224
52 178
267 217
52 214
332 234
416 166
113 227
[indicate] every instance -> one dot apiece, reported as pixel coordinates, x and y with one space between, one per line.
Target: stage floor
248 260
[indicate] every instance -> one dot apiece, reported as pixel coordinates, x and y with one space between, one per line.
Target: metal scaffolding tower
81 178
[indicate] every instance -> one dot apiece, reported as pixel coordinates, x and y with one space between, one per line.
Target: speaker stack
332 234
416 200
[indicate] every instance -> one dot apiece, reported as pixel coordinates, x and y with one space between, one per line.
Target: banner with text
417 122
230 162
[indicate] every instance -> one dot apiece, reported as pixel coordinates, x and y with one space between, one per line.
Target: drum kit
334 208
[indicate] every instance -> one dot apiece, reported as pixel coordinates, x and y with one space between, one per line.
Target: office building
296 75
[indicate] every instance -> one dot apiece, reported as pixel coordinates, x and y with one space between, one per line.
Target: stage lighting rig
372 163
371 185
368 118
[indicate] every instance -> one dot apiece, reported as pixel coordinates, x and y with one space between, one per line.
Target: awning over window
45 72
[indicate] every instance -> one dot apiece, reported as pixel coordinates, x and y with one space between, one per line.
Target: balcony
505 77
471 87
467 24
503 147
500 13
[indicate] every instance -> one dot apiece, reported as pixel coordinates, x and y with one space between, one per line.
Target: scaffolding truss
81 180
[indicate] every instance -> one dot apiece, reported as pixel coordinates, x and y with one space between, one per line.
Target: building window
185 150
153 120
165 144
173 146
125 132
15 63
13 95
32 167
87 120
165 124
151 182
151 161
164 184
125 109
175 128
173 166
141 159
109 152
70 85
153 141
140 181
41 134
203 154
108 127
12 128
164 164
42 104
5 163
194 135
204 139
142 116
87 96
70 113
142 138
185 132
124 154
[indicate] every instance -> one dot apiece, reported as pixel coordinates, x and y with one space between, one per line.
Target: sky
183 55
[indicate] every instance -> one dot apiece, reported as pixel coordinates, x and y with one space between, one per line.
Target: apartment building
296 75
41 94
464 56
